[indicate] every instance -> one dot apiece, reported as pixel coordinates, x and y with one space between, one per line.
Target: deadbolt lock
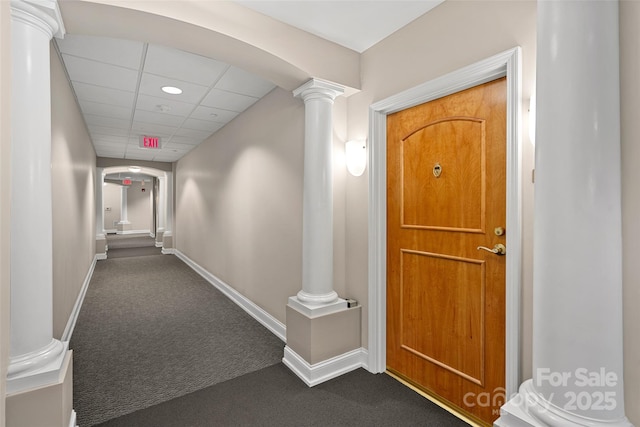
499 231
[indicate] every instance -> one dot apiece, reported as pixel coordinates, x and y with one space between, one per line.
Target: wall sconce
356 156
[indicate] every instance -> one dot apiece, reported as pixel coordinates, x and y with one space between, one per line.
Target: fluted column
577 306
36 357
317 221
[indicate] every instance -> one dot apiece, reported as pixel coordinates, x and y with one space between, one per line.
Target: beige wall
5 195
239 202
73 165
112 198
139 208
630 112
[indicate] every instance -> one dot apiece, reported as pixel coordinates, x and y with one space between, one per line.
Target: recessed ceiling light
172 90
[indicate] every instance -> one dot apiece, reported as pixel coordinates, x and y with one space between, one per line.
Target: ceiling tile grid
118 85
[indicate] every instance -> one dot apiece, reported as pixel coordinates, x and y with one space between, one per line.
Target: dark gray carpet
151 330
274 396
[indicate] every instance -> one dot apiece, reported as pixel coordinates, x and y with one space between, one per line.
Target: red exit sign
126 181
149 141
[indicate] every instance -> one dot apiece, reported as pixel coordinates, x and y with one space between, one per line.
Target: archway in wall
161 206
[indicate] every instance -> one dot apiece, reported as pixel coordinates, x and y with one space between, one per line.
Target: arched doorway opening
152 192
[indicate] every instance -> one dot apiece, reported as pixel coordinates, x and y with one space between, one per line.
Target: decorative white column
101 239
317 221
36 358
577 306
167 235
162 209
124 223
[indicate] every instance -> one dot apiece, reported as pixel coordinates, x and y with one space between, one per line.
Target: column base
313 309
159 237
122 227
167 243
38 368
101 246
323 299
322 341
529 409
54 401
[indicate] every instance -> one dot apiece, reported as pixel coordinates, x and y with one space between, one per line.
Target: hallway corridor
150 330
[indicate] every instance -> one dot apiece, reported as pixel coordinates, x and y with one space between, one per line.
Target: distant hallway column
39 374
101 238
123 224
577 265
323 333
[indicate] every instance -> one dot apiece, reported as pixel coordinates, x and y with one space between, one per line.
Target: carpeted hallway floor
157 345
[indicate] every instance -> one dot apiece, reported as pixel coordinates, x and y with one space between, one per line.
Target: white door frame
507 64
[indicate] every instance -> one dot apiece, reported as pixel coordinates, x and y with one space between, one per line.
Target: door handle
498 249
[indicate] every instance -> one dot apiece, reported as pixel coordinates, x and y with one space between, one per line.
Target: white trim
508 64
135 232
326 370
168 251
72 419
101 257
267 320
158 244
71 323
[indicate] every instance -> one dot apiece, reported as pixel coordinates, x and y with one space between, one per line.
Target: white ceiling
118 82
355 24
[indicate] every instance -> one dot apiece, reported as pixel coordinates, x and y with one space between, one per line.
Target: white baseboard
71 323
158 244
267 320
101 256
72 419
134 232
323 371
168 251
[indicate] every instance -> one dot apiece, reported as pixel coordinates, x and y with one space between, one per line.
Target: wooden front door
446 189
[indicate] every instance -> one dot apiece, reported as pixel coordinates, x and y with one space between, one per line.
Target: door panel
446 170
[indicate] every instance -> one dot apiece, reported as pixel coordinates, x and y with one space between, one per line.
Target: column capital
316 88
42 14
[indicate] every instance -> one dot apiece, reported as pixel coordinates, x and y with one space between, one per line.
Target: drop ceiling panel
213 114
153 103
185 140
123 53
107 131
105 139
183 66
90 92
191 133
99 74
228 100
157 118
239 81
95 108
152 85
203 125
108 122
140 128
